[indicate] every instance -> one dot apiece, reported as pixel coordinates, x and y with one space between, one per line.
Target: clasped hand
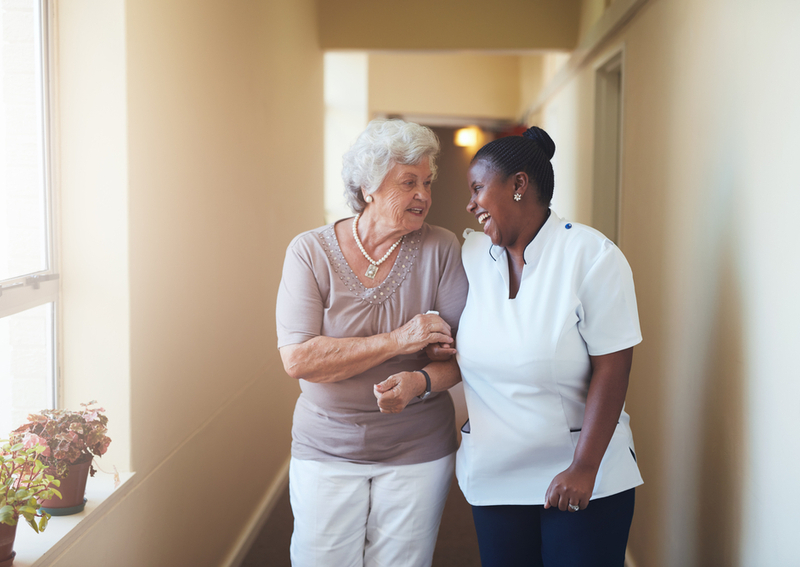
394 393
424 330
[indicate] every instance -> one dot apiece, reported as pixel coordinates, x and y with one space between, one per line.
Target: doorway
607 147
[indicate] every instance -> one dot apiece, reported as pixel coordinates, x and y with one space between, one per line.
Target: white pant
350 515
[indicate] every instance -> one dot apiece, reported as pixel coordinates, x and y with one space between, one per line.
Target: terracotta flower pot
72 490
7 535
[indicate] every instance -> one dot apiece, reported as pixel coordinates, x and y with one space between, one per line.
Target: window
28 260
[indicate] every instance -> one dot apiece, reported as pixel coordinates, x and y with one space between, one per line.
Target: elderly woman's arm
397 390
326 359
604 402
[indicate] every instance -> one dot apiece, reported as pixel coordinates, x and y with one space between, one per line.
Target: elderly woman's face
404 198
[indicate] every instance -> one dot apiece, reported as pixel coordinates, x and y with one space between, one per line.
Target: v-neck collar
401 267
533 251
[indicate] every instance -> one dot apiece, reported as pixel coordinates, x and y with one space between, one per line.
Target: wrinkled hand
421 331
394 393
440 352
573 486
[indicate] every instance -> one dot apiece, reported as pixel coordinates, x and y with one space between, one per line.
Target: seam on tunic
373 295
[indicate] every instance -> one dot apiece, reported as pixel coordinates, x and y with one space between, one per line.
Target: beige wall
91 147
531 80
590 12
449 24
444 84
709 194
210 131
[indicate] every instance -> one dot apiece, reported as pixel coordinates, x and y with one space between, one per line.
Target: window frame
34 289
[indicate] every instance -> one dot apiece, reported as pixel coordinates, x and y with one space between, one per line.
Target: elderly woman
365 306
545 348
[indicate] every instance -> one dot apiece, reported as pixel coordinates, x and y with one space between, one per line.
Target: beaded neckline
409 249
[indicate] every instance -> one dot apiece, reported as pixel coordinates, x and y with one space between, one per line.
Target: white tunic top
526 367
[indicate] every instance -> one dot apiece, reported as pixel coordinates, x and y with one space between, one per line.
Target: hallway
191 149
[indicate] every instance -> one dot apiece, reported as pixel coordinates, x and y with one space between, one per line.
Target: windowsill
36 549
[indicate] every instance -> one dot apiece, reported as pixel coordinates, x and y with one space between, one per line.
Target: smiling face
403 200
492 202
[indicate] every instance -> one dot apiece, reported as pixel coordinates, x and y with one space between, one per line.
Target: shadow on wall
644 230
722 445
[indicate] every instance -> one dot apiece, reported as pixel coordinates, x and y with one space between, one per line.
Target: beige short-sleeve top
320 295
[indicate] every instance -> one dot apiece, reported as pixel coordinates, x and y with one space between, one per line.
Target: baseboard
258 519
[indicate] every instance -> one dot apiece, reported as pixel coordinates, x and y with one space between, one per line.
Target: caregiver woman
368 481
545 348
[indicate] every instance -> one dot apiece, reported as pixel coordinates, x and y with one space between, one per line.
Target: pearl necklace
373 265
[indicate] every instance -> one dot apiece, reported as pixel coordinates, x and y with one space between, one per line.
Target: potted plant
23 482
73 438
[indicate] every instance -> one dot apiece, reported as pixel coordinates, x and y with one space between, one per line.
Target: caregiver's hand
439 352
573 487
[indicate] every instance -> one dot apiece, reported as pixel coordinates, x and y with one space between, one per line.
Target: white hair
383 144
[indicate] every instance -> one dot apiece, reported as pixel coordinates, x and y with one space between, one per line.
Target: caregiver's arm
327 359
604 402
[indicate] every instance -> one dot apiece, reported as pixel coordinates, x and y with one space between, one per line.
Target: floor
457 545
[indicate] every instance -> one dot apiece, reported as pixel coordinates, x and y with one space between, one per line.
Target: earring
517 196
368 198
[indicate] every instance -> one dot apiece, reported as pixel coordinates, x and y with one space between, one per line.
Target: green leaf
43 521
27 511
15 448
32 524
6 514
22 494
56 492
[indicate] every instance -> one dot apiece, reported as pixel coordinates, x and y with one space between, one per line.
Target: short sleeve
609 320
451 295
300 305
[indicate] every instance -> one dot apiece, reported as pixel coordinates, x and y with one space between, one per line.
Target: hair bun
542 139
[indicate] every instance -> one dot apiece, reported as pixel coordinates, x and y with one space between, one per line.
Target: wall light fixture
468 137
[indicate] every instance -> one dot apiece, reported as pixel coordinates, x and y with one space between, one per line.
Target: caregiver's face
492 203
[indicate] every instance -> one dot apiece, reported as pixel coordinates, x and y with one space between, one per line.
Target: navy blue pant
530 536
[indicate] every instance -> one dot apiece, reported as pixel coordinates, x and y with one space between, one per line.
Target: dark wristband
427 385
